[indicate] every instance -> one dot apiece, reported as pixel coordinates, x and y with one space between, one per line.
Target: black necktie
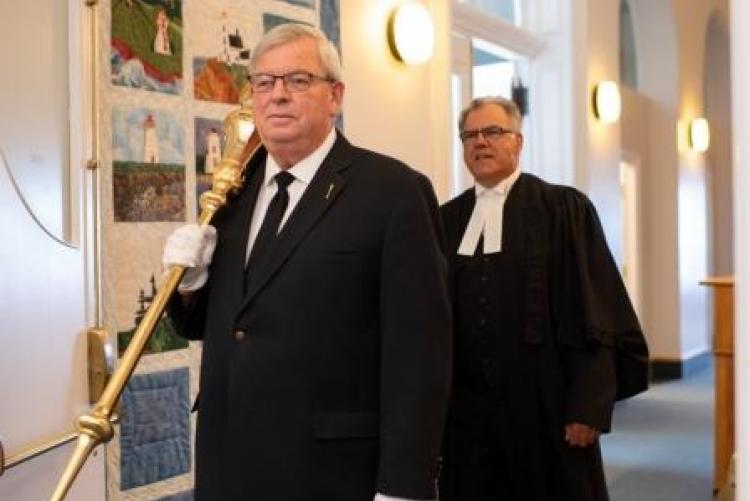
269 229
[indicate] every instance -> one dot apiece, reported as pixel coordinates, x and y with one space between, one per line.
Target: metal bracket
101 362
33 452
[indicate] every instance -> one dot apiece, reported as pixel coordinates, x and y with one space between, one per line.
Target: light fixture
411 33
520 95
699 135
607 105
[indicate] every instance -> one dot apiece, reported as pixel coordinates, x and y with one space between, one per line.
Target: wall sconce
411 33
607 105
520 95
699 135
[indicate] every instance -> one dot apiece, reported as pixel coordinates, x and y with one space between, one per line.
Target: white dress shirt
487 217
303 172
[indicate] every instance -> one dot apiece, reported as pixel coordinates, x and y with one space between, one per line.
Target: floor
661 446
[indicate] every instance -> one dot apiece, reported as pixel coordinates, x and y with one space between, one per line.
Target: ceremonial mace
242 141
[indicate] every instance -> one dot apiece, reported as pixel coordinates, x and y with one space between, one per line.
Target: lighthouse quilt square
209 145
148 164
221 50
155 428
146 45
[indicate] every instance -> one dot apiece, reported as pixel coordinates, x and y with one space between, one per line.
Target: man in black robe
546 338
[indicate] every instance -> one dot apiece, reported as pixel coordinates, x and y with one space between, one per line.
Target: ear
337 96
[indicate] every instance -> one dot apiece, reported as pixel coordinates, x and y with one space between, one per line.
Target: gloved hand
190 246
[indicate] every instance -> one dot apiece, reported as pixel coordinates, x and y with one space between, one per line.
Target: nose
480 140
279 91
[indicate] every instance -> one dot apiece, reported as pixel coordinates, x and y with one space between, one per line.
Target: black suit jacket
339 386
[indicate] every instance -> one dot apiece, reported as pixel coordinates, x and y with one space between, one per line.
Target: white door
460 97
630 237
46 279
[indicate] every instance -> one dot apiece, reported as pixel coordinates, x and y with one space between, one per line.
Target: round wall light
411 33
607 105
699 135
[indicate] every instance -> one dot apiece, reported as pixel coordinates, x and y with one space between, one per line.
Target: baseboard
667 369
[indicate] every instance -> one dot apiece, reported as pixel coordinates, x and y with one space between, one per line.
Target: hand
580 435
191 246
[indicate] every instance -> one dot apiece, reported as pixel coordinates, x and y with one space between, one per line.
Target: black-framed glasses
491 133
294 81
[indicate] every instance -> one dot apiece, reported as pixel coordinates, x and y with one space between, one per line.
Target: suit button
482 322
482 300
239 335
484 278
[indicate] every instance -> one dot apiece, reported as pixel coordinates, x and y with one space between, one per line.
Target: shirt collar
502 188
305 169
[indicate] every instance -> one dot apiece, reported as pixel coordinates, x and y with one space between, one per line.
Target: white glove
190 246
383 497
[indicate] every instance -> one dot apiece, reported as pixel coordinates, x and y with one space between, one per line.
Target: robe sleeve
595 324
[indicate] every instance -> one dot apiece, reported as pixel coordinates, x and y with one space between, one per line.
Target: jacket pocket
344 425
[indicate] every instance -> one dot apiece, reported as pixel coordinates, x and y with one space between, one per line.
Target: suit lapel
324 188
237 226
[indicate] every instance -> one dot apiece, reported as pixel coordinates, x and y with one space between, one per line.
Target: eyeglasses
295 81
491 133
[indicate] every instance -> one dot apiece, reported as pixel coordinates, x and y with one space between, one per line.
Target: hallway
661 448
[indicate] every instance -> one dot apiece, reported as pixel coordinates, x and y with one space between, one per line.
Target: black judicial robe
546 329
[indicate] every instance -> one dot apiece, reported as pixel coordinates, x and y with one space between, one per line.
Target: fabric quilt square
155 429
182 496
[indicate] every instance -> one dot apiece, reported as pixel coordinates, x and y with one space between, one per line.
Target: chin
486 173
280 136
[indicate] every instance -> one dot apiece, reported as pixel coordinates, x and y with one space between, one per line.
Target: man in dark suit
323 312
545 335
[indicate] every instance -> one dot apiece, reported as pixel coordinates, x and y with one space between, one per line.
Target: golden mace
95 428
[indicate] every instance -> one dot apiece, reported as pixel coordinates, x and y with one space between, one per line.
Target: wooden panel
723 350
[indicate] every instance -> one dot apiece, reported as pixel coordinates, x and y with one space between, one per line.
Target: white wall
599 175
740 40
691 22
400 110
636 144
719 159
670 42
653 24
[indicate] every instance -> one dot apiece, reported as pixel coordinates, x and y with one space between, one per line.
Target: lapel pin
330 189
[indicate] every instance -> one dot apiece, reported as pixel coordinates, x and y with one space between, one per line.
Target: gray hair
510 108
288 32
